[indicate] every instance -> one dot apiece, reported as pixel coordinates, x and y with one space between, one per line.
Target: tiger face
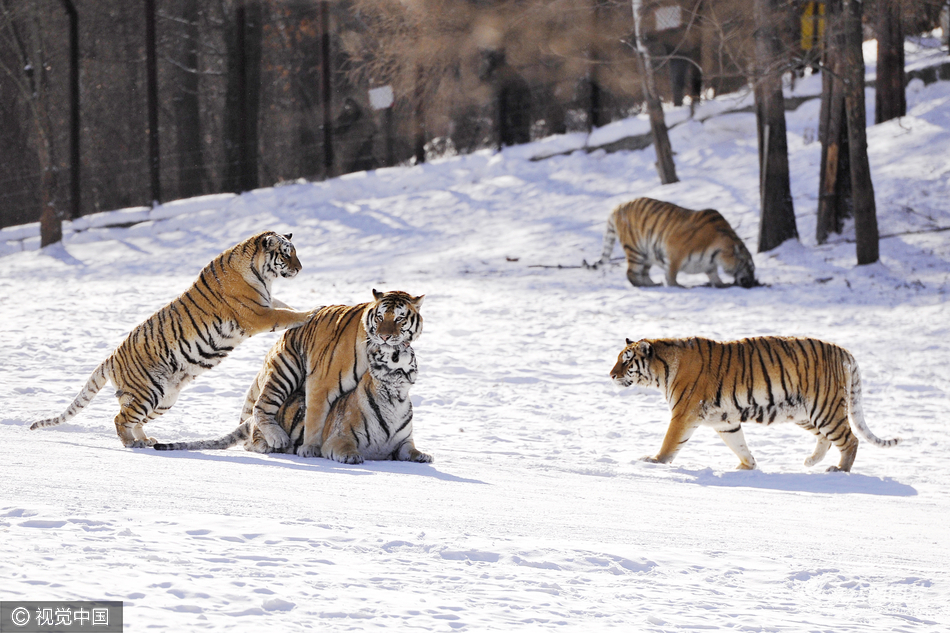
393 364
633 366
394 318
280 256
740 265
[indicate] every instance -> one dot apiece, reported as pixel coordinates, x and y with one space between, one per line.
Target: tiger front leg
343 449
284 319
715 280
680 430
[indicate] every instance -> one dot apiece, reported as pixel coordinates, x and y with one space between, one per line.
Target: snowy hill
536 513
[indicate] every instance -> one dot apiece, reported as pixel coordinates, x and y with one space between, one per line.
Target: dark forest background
255 93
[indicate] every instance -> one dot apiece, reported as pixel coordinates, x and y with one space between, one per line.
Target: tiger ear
270 242
629 342
417 301
645 348
289 236
378 295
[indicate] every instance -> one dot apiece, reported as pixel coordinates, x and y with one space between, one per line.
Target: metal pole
152 99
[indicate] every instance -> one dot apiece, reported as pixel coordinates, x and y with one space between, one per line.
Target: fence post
152 99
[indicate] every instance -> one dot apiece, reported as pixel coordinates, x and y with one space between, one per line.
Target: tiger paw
148 442
744 466
347 458
421 458
650 459
274 436
308 451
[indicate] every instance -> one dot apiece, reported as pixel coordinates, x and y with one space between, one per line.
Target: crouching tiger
766 379
229 302
653 232
374 421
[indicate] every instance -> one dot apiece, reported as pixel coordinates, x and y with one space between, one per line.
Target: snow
537 513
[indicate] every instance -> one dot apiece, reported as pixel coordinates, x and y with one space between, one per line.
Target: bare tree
890 101
862 189
777 222
834 189
24 28
661 139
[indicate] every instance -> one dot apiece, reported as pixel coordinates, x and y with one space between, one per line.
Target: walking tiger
766 379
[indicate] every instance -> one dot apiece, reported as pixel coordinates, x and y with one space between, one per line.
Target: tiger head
393 319
634 365
393 363
279 257
738 263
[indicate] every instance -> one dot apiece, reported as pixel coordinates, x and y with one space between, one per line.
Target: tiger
765 379
374 421
229 302
654 232
326 358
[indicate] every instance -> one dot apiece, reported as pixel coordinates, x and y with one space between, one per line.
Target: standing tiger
766 379
374 421
228 303
653 232
327 358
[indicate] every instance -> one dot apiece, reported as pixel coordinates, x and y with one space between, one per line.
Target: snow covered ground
536 513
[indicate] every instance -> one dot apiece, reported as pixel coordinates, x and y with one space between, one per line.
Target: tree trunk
665 166
834 189
862 189
242 98
326 89
151 68
418 121
890 100
191 169
51 223
777 220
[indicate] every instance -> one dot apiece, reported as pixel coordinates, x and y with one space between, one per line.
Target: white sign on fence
381 98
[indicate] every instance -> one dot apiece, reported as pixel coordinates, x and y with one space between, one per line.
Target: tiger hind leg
839 434
735 440
639 274
821 448
129 426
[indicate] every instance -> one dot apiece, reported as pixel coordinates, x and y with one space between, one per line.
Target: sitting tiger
374 421
653 232
228 303
766 379
327 358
